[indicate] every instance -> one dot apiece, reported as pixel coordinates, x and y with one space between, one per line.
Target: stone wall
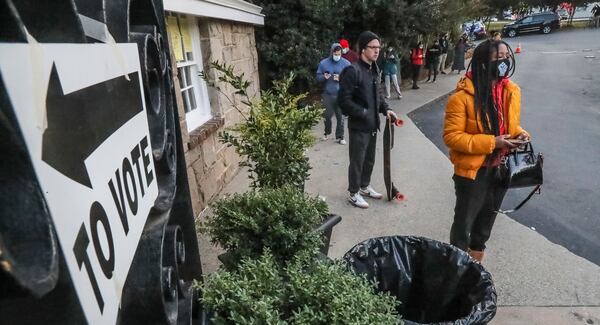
210 164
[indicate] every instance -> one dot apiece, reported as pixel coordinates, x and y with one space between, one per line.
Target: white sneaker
370 192
357 200
325 138
341 141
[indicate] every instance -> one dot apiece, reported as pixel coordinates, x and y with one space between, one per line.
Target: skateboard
388 144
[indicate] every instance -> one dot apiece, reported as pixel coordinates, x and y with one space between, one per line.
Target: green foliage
296 35
275 134
282 220
306 291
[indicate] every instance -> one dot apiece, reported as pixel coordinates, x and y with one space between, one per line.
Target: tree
296 35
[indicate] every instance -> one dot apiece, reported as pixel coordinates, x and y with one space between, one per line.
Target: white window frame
203 112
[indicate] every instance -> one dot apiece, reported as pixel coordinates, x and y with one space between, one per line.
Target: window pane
188 75
189 56
192 96
186 101
181 77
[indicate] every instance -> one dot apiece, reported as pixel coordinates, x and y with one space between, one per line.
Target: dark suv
544 22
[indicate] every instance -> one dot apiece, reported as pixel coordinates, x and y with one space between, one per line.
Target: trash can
435 282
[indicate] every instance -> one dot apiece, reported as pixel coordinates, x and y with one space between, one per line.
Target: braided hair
482 77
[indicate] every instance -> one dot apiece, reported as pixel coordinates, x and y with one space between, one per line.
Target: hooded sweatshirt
331 86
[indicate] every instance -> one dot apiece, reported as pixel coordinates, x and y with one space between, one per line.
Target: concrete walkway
528 270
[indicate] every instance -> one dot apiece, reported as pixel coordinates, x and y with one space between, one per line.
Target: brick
227 34
214 28
194 197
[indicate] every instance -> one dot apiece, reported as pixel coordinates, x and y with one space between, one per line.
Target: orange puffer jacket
463 131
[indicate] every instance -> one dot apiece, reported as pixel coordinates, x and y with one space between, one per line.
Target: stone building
201 32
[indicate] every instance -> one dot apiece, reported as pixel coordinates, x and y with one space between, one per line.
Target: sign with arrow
81 111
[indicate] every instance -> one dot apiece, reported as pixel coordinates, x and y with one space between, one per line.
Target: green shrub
275 134
282 220
306 291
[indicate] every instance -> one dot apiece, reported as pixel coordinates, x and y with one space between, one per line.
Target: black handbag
522 167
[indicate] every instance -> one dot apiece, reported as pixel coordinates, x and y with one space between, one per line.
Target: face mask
345 51
502 67
420 46
336 58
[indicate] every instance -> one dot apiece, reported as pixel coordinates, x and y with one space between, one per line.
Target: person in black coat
361 98
444 46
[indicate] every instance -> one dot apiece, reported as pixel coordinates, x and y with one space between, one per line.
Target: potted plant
283 220
307 290
275 132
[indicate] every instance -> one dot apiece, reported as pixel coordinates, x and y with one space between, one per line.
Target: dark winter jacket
361 96
444 45
433 55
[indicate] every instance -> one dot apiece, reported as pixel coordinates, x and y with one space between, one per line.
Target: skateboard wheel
399 197
399 122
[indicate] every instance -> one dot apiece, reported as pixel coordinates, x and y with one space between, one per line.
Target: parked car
563 13
544 22
478 28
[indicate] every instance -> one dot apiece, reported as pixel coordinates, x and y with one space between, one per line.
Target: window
185 43
526 20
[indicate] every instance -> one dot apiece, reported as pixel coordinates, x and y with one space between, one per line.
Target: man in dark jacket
361 98
444 46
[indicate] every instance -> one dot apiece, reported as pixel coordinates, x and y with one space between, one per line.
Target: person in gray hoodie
328 75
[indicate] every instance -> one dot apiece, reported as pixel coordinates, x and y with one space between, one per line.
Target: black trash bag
435 282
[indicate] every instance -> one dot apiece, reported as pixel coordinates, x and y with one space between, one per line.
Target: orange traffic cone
518 50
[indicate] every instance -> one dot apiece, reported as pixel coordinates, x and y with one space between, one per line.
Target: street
559 79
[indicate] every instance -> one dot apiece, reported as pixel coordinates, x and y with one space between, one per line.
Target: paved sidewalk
528 270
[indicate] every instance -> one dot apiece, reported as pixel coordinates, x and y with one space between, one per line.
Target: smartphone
518 141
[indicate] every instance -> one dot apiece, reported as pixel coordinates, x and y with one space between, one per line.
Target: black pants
475 212
416 71
331 108
362 158
432 67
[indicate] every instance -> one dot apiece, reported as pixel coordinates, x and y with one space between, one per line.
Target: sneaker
387 97
357 200
399 96
325 137
370 192
341 141
443 72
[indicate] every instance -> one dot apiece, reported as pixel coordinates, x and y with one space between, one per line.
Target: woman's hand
502 142
523 136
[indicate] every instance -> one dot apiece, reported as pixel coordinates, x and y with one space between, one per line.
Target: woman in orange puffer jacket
480 127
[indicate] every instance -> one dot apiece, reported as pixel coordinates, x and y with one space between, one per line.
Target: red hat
344 43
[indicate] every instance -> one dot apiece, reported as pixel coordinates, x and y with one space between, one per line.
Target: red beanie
344 43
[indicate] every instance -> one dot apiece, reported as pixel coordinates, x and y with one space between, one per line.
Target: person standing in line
459 55
481 124
348 53
444 45
328 74
596 14
390 73
432 59
496 36
416 62
361 98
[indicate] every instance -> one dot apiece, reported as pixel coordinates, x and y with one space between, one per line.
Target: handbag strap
536 189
